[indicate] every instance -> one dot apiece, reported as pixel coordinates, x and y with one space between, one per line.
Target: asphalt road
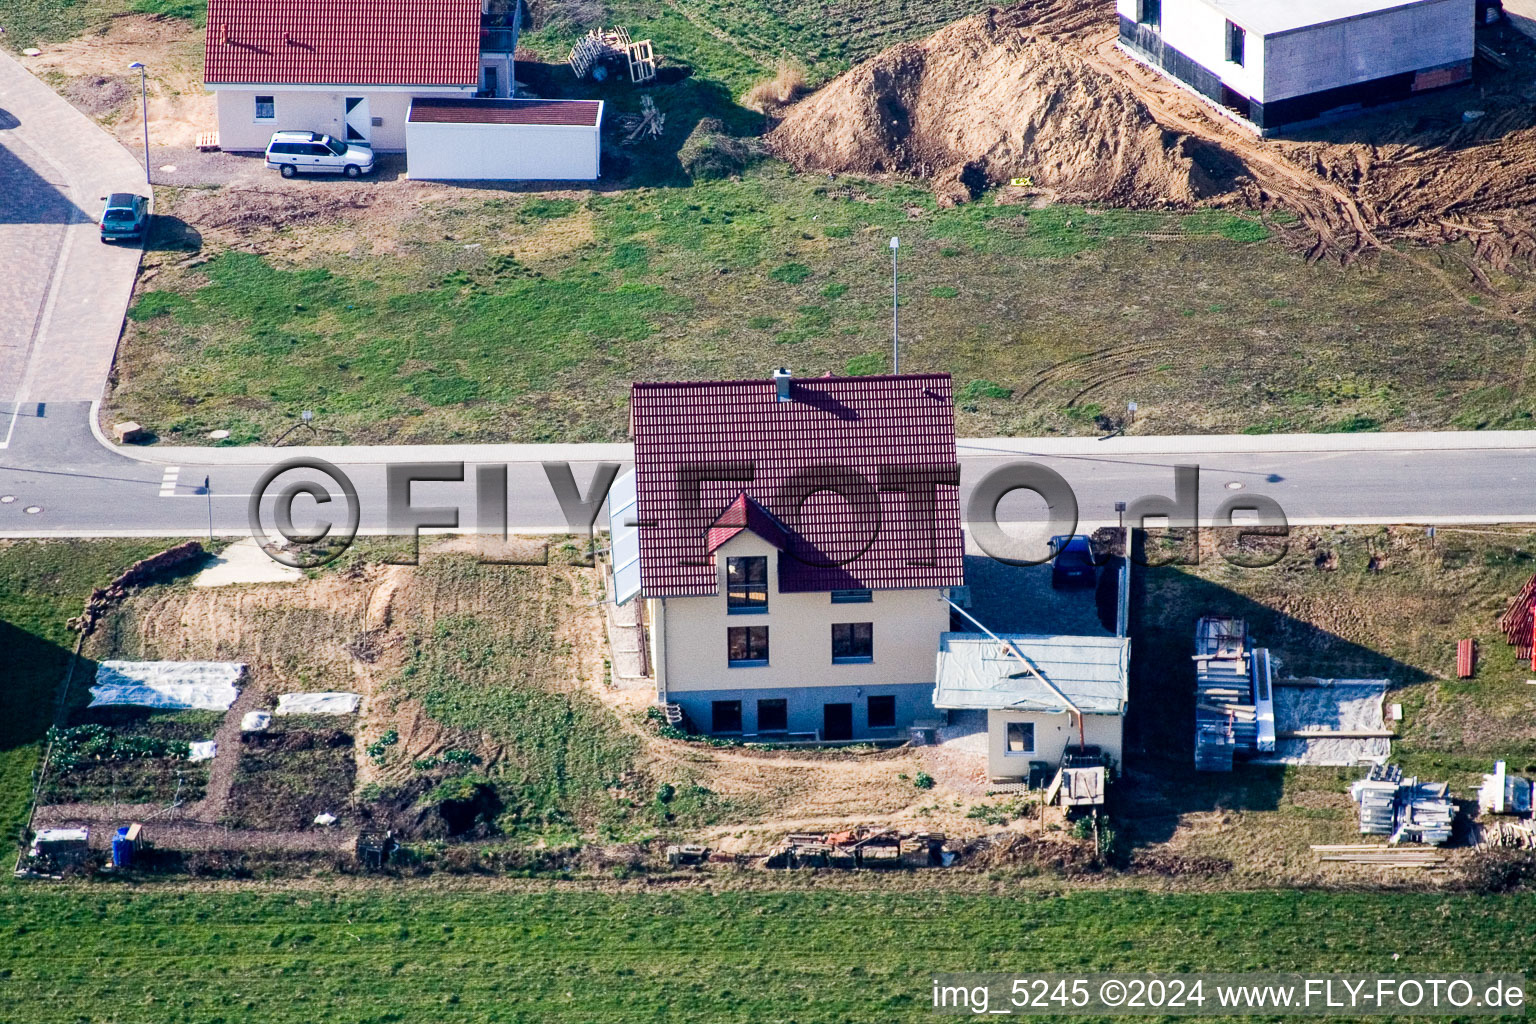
59 479
62 292
63 296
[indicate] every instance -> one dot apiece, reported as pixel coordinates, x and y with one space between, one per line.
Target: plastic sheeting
205 685
332 703
256 721
1343 705
202 750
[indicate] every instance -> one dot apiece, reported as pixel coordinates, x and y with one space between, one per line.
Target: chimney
224 31
288 38
781 378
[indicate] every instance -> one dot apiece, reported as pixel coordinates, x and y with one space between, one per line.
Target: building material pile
1517 622
1403 808
602 52
1234 698
1503 793
862 848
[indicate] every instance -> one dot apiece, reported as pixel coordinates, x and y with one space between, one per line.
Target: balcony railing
498 40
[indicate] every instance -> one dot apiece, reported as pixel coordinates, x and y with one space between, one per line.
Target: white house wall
1053 734
1366 48
1199 31
314 110
498 152
907 625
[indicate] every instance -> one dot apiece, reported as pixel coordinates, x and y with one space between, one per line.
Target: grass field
500 317
97 955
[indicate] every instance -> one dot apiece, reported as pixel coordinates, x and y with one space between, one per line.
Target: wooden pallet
207 142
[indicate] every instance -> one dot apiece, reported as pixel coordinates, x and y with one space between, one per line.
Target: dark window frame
1237 44
1008 730
887 716
754 646
269 103
715 709
1149 13
856 643
778 708
746 596
864 596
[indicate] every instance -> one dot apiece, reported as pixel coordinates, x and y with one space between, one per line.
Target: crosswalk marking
168 482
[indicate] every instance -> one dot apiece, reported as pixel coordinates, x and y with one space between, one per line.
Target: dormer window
746 585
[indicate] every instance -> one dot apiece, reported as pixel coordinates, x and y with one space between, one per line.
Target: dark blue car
1073 565
124 217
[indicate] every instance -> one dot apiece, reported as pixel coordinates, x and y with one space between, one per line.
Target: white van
314 153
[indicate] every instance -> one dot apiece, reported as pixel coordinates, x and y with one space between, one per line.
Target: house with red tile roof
793 541
350 68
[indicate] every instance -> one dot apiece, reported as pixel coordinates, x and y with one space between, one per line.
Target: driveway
63 295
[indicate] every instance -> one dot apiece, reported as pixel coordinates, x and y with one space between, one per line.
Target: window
882 712
851 597
1149 12
1021 738
266 108
725 716
489 74
772 715
747 645
1236 38
746 585
853 641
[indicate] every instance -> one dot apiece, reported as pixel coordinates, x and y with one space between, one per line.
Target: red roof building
343 42
854 478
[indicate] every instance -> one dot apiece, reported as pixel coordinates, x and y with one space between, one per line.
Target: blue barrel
122 849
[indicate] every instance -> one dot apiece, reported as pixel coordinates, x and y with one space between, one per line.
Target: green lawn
499 317
42 584
98 955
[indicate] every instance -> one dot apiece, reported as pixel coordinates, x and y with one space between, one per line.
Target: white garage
504 140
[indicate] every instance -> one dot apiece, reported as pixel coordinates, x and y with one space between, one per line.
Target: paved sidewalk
77 330
969 448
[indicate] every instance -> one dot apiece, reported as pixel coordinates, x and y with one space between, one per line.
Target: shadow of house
1161 783
29 198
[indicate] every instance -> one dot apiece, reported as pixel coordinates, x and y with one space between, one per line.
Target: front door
837 722
359 124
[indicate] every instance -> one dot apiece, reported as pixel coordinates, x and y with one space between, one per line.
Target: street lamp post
144 104
895 316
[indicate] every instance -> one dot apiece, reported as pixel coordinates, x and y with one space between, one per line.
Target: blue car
1073 565
124 217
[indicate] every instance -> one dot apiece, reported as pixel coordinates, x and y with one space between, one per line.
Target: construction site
1041 92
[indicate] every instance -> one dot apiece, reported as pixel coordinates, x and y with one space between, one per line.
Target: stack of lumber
1520 835
1517 622
1380 856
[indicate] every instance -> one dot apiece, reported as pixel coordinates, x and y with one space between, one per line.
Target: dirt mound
988 99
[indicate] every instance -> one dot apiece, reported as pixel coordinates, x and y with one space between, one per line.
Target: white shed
504 140
1280 64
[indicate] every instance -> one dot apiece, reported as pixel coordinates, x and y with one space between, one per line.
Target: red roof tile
343 42
745 514
698 446
581 113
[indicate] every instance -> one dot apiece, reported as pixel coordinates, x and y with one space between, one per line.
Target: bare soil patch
90 72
